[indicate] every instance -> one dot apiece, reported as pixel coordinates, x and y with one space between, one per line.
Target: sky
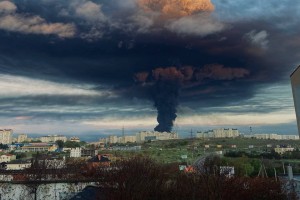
79 67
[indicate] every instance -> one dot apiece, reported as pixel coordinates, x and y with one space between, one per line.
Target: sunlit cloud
129 122
258 38
245 119
12 86
200 24
10 20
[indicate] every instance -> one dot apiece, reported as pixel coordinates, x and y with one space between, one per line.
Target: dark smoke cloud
252 50
219 72
168 82
165 95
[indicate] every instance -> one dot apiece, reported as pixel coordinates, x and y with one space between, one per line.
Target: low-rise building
49 161
127 148
75 152
7 157
74 139
282 150
272 136
18 165
34 147
88 152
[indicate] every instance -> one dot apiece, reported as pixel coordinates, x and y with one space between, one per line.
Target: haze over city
83 67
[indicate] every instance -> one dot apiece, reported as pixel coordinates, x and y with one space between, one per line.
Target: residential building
7 158
272 136
66 149
127 139
112 139
219 133
88 152
282 150
295 81
154 135
290 137
49 161
74 139
53 138
6 136
127 148
75 152
34 147
18 165
22 138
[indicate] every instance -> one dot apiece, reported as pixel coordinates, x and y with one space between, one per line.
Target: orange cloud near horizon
176 8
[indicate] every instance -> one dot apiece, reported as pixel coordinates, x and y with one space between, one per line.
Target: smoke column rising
166 82
165 96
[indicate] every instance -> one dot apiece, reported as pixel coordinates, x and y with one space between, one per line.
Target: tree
71 144
60 143
3 146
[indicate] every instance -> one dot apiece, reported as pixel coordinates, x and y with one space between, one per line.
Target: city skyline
78 67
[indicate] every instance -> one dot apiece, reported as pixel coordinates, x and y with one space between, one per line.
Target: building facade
7 157
22 138
154 135
127 139
6 136
219 133
272 136
74 139
35 147
75 152
295 81
53 138
18 165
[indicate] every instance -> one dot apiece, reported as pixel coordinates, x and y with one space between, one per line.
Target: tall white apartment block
295 81
22 138
6 136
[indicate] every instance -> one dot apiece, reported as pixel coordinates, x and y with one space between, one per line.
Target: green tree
3 146
60 143
71 144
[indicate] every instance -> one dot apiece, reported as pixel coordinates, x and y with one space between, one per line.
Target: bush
143 178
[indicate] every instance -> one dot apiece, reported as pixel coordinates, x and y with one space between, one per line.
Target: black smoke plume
166 83
165 96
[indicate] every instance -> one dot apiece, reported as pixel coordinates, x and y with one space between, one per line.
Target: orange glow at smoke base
176 8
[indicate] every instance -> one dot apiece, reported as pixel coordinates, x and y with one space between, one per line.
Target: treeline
267 155
69 144
143 178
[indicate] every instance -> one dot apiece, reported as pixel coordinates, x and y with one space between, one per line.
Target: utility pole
123 134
